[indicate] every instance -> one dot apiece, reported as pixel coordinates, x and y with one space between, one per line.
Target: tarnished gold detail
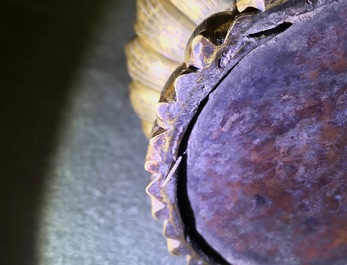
198 10
200 52
243 4
164 28
144 99
178 106
147 66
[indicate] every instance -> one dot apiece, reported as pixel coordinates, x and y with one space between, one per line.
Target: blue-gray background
71 154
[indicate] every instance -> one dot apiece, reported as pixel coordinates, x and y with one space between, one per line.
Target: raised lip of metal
178 105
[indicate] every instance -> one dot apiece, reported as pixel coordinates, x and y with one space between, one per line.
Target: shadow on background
42 43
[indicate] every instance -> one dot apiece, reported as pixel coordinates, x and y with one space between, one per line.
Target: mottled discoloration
267 157
180 104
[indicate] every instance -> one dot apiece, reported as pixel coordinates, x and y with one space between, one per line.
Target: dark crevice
215 27
192 68
197 241
273 31
157 130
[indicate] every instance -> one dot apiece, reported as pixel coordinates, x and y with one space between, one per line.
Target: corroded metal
248 154
267 158
163 28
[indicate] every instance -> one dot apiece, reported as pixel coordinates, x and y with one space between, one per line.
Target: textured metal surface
267 158
185 95
163 28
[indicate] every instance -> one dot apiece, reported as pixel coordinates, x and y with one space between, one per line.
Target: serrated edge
167 134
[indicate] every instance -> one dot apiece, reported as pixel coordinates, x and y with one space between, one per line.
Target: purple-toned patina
248 154
267 157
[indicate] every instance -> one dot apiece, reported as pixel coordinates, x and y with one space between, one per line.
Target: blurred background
71 151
